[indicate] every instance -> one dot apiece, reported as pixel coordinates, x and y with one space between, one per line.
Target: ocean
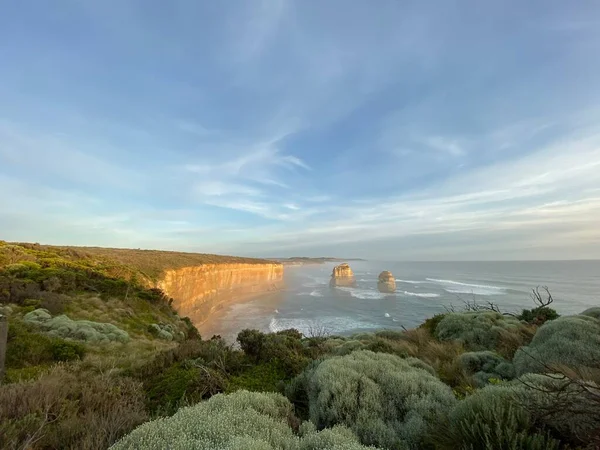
310 305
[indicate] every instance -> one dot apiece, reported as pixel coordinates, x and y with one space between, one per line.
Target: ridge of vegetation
146 263
95 359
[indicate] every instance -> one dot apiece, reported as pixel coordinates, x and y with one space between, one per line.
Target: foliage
385 400
592 312
486 365
285 347
538 316
569 407
490 419
568 340
181 384
235 421
26 348
266 377
84 330
485 330
431 323
69 410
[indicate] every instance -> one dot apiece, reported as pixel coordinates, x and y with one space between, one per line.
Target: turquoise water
423 289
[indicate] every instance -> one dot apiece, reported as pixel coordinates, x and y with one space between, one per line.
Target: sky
390 130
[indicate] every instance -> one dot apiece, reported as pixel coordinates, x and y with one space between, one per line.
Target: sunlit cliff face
198 291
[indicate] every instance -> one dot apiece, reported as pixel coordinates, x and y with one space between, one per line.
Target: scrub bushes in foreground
569 340
386 400
490 419
84 330
483 331
69 409
486 365
243 420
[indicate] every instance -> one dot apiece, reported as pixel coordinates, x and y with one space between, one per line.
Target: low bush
265 377
538 316
486 365
285 346
483 331
387 401
27 348
592 312
431 323
85 330
491 419
242 420
180 385
69 410
569 340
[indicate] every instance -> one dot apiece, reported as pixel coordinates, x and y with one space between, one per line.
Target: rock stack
386 282
342 276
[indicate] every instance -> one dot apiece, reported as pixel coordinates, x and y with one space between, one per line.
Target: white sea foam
364 294
276 311
387 315
458 283
316 294
328 325
419 294
408 281
477 291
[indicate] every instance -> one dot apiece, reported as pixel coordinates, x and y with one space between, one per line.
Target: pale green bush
478 330
568 340
485 365
243 420
386 400
84 330
166 332
491 419
592 312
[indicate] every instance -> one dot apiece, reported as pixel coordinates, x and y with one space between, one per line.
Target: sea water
311 306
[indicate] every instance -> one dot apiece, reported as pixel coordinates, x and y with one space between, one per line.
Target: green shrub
568 340
85 330
491 419
181 384
481 330
431 323
285 346
242 420
27 348
592 312
486 365
265 377
538 316
385 400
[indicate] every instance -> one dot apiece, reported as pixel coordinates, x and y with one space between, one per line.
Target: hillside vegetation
96 359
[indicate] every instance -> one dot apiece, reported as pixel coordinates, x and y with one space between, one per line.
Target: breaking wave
327 325
363 294
419 294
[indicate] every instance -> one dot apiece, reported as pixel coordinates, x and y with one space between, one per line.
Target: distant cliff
199 290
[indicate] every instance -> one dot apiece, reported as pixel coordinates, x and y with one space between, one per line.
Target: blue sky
383 129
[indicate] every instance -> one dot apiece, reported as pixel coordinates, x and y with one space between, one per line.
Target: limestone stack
386 282
342 276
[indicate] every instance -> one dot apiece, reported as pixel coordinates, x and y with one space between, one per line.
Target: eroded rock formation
198 291
342 276
386 282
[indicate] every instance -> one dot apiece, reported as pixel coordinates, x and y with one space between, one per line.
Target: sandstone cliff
199 290
342 275
386 282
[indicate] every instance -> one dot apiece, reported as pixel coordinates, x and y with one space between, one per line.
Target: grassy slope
148 263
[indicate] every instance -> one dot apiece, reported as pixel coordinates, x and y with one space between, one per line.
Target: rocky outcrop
386 282
342 275
198 291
